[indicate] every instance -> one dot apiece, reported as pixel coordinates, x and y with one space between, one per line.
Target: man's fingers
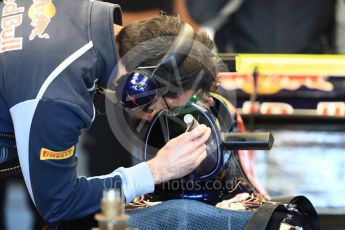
198 154
198 132
192 135
202 139
201 158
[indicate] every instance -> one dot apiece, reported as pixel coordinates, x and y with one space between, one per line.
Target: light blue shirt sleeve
136 180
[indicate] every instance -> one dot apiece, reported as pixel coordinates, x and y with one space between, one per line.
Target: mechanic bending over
52 53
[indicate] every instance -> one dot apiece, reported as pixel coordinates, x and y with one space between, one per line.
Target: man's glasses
173 111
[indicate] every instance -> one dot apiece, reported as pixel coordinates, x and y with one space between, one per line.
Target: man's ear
117 29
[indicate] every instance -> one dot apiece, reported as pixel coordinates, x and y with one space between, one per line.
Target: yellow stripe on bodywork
291 64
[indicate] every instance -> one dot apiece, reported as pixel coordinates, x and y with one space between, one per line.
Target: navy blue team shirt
52 53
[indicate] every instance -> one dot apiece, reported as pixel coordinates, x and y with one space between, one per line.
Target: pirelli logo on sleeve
47 154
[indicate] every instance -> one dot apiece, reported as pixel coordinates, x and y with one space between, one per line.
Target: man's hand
180 155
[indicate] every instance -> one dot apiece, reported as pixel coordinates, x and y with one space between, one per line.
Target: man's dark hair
197 71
